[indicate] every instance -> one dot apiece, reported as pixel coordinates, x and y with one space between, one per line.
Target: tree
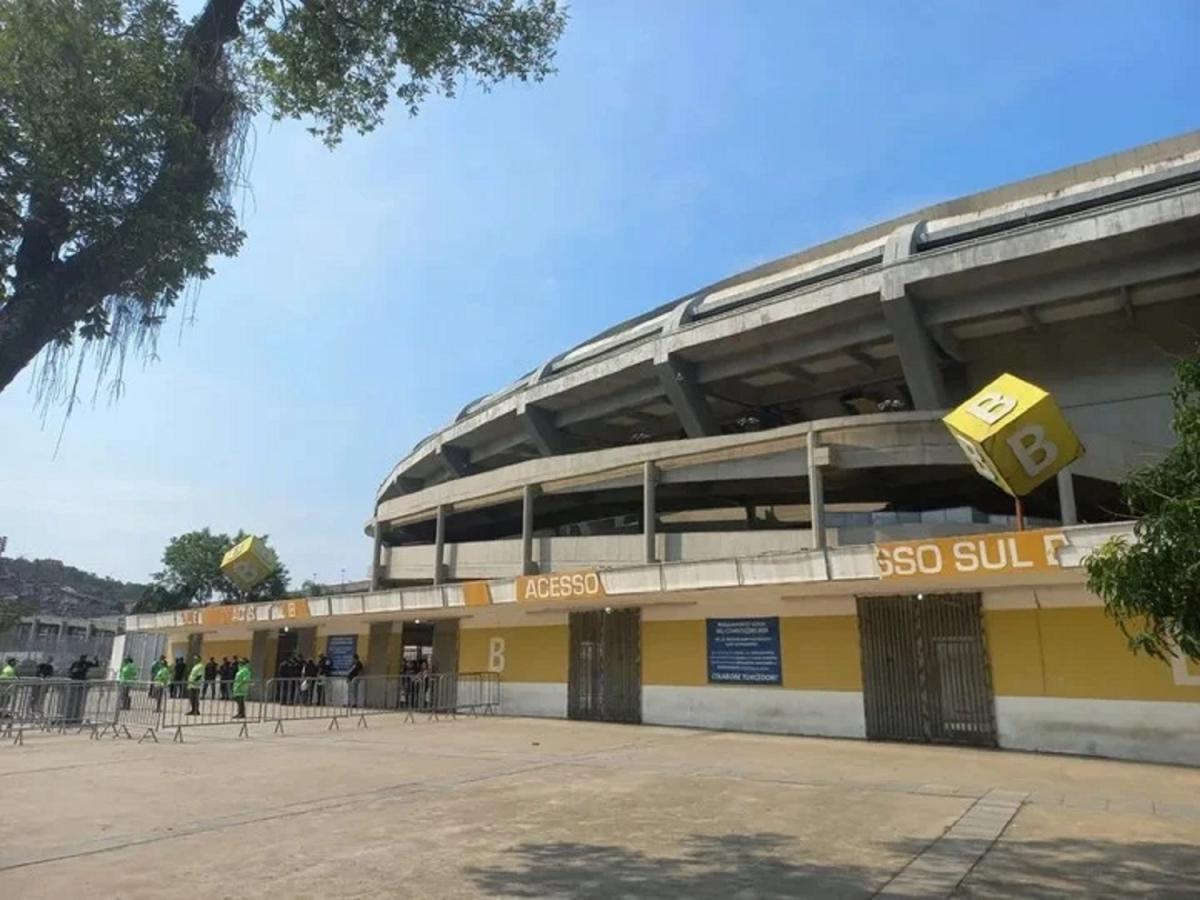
1151 586
191 575
12 610
121 139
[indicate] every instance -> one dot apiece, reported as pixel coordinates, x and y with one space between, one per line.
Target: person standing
127 675
162 684
181 671
225 674
194 680
241 687
77 692
352 682
45 669
210 679
324 671
8 687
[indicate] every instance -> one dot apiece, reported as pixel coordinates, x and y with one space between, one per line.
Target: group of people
74 698
228 681
302 680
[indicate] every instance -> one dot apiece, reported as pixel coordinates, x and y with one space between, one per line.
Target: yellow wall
673 652
536 653
1073 652
819 653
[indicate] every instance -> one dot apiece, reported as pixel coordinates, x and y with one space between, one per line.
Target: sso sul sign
1014 434
959 557
562 586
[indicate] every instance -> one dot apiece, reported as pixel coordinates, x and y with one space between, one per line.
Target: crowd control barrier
119 708
59 705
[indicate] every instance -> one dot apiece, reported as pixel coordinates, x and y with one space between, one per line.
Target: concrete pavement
529 808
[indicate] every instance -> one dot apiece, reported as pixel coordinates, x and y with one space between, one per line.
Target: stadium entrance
605 670
925 669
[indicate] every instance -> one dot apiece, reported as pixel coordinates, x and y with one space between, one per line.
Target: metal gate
925 669
605 677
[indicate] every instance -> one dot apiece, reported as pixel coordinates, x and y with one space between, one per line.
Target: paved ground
525 808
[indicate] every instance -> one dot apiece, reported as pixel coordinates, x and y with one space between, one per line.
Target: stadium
741 510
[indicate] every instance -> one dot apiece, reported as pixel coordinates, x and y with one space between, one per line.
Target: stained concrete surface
529 808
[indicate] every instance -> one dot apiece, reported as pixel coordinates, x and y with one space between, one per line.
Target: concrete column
259 643
439 545
528 566
306 641
816 492
918 357
1066 497
376 563
378 639
649 510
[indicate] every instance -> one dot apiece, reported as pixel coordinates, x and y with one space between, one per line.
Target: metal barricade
56 705
308 698
190 708
478 693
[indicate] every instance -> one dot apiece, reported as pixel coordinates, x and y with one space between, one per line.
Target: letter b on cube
1014 434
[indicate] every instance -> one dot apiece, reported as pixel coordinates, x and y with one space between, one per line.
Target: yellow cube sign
248 562
1014 434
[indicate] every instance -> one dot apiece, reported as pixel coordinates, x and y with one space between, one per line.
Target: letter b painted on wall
496 655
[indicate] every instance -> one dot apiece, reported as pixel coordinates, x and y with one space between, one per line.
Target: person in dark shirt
180 674
324 671
77 692
210 679
309 671
45 668
225 673
353 685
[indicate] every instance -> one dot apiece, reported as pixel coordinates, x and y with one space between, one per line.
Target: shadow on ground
773 866
1086 867
768 866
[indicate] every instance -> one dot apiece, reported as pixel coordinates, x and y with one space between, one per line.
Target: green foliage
122 126
191 575
11 612
338 63
1151 586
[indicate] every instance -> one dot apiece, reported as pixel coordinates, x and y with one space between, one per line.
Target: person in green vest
8 675
241 687
195 680
162 682
127 675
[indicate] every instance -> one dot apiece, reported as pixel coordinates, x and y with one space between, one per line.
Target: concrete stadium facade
741 510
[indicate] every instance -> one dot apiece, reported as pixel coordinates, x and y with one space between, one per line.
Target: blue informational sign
744 651
340 648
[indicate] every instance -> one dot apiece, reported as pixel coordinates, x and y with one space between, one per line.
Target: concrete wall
1063 677
502 559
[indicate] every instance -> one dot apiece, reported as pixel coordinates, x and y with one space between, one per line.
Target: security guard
195 680
241 687
162 682
10 669
127 675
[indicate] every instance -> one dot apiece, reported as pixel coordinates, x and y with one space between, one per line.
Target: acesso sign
990 554
560 586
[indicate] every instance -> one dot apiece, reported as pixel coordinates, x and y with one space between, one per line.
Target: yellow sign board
560 586
476 593
1007 553
248 562
1014 434
245 612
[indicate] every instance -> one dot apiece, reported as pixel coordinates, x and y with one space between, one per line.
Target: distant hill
52 588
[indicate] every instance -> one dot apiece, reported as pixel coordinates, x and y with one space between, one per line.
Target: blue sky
386 284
